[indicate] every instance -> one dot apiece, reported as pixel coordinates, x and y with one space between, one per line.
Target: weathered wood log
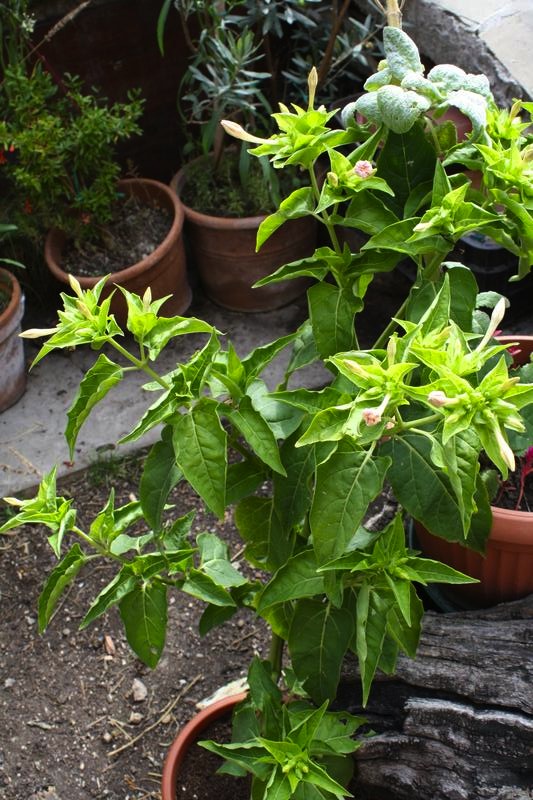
456 723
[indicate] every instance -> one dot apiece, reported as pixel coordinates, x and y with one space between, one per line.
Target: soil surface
71 728
134 233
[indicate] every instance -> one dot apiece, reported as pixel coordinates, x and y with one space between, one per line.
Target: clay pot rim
187 736
16 296
123 275
208 220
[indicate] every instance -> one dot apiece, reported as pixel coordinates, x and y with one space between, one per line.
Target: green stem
140 364
421 421
429 273
325 216
275 656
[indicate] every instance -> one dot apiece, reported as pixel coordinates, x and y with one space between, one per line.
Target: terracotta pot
187 737
223 249
12 363
164 270
506 571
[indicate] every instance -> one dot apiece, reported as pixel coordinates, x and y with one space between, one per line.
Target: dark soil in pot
135 231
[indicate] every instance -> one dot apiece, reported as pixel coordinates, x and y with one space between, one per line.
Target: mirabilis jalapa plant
414 411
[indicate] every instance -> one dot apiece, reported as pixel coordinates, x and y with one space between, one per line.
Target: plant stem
140 364
393 13
421 421
325 216
275 656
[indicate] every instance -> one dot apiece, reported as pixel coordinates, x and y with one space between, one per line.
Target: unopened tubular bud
312 83
438 399
238 132
505 450
333 179
75 285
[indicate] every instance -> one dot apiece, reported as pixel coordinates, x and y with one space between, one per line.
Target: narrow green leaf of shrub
58 580
94 386
144 614
160 475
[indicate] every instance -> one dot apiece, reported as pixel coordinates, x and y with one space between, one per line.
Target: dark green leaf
144 614
94 386
60 577
160 475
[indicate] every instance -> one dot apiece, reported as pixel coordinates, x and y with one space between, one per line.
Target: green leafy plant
58 152
243 56
415 411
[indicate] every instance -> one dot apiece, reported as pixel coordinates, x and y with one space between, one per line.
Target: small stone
139 692
9 682
66 632
135 718
166 719
106 737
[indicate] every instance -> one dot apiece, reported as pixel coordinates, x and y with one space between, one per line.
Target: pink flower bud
438 399
364 169
372 416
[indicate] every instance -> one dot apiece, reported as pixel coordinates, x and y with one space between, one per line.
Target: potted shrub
12 362
234 69
416 410
60 174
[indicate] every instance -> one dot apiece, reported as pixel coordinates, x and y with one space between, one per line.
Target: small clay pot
164 270
12 363
223 249
506 571
188 736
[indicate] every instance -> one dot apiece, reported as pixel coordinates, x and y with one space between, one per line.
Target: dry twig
167 709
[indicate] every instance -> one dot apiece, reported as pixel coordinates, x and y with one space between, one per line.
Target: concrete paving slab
509 34
474 12
32 431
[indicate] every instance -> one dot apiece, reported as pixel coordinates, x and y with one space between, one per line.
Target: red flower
27 207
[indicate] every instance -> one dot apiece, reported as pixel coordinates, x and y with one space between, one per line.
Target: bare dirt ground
71 727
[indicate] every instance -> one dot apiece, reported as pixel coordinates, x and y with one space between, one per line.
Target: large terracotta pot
187 737
164 270
506 571
223 249
12 363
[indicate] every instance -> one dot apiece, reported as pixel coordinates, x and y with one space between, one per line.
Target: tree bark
456 723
